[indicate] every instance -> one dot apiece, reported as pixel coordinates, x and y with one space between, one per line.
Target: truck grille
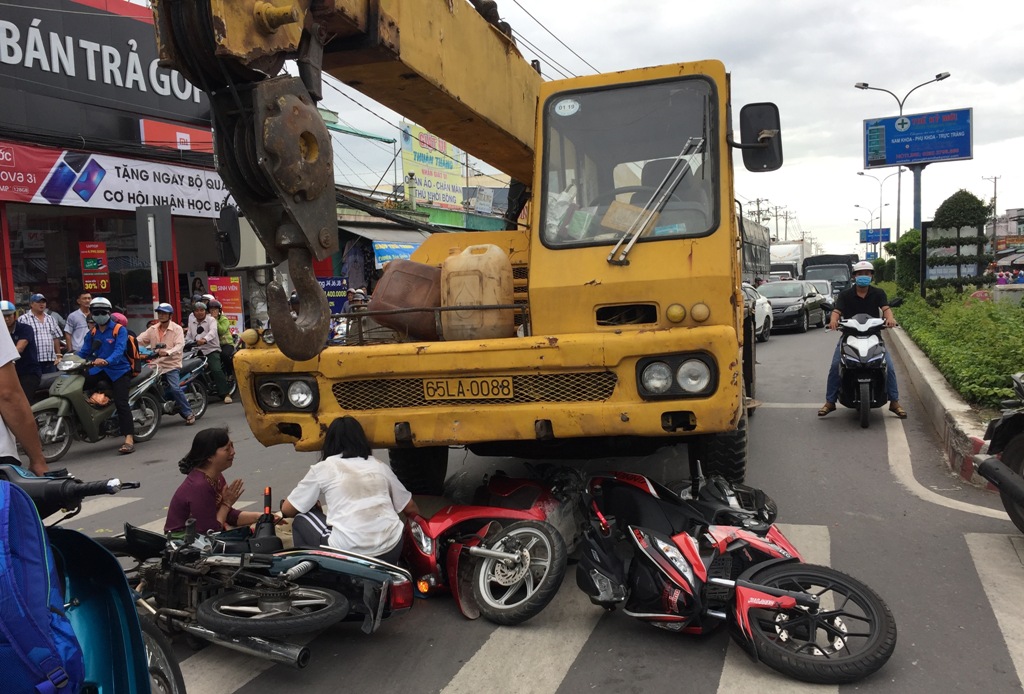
382 393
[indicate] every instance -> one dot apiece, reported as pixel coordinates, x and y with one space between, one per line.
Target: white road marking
788 405
96 505
549 642
218 670
741 675
997 559
903 471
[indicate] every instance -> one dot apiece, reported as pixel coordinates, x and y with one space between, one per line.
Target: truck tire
723 454
421 470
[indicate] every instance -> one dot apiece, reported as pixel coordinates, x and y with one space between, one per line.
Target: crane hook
303 337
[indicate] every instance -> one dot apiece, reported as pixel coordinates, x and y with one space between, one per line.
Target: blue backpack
38 648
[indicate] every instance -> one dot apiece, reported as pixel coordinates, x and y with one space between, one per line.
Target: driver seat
687 209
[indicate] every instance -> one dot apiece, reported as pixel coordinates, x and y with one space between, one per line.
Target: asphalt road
875 503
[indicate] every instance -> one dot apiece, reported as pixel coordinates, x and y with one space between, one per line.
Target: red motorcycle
689 562
503 554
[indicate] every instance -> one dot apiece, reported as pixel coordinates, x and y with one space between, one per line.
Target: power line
552 63
555 37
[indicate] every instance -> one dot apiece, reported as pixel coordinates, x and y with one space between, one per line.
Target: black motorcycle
1006 440
863 369
205 379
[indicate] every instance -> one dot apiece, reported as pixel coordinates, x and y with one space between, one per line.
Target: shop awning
390 244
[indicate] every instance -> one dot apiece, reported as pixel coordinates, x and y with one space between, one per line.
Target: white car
762 312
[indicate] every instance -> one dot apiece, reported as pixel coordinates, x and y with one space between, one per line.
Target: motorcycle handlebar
50 495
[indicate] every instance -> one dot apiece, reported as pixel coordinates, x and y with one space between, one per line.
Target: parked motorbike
188 379
503 555
123 653
205 377
862 365
67 413
1006 440
246 592
712 554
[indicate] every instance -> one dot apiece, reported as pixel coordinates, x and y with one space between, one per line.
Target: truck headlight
300 394
271 396
693 376
657 377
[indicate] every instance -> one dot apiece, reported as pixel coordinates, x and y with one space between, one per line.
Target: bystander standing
46 331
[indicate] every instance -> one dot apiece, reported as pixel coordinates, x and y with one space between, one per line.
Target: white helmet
99 302
864 265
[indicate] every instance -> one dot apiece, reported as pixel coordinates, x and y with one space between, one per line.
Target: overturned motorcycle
688 562
502 553
246 592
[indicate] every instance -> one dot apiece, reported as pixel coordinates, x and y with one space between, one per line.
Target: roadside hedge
975 344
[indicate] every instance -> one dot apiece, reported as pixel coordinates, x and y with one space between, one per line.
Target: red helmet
119 318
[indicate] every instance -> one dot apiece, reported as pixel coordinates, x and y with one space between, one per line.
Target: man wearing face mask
105 347
862 297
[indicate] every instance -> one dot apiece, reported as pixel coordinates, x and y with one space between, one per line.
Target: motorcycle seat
634 507
47 380
142 543
146 372
190 365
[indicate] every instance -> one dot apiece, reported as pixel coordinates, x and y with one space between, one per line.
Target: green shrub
975 344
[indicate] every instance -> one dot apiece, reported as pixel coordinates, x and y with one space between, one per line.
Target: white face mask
101 320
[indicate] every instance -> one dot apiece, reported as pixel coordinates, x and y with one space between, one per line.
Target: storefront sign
1004 242
436 167
78 179
336 289
95 268
386 251
228 291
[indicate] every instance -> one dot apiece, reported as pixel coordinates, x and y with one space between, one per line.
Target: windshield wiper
675 173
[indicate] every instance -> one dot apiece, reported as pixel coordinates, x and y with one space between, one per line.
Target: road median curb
956 423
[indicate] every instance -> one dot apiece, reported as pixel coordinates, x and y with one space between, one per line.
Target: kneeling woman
205 495
364 498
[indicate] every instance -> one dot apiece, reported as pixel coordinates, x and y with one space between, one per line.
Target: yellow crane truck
632 333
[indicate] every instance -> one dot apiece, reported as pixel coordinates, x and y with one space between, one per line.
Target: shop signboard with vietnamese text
336 289
435 165
386 251
919 138
228 291
69 178
95 268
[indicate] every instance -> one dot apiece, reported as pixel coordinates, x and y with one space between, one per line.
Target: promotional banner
78 179
435 165
228 291
95 268
386 251
336 289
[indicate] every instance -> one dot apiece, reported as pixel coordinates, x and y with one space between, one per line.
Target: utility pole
777 208
995 186
760 215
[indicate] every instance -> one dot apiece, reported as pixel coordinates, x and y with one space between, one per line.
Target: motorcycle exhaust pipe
1002 478
285 653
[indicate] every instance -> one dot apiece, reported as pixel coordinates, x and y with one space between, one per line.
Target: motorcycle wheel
146 413
865 405
1013 458
510 595
198 398
54 434
301 610
851 636
164 672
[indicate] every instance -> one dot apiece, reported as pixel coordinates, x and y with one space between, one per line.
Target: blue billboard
920 138
874 235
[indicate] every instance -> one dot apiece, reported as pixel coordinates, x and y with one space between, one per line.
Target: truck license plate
467 388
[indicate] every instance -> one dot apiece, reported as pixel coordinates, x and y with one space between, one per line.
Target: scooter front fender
739 619
62 406
103 614
460 573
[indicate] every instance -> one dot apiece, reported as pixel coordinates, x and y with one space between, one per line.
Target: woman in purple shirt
205 495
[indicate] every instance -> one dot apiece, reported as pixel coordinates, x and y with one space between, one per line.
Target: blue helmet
164 308
7 307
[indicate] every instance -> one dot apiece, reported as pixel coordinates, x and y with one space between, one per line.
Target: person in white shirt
17 423
77 325
363 495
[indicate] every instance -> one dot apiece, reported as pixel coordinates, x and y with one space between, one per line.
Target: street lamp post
916 168
880 205
861 220
872 218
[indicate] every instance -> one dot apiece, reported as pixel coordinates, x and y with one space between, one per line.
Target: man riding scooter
167 339
105 347
862 297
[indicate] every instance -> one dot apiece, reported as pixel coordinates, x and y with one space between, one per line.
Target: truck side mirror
229 237
760 137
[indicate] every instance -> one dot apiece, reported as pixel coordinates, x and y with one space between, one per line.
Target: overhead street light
880 182
899 179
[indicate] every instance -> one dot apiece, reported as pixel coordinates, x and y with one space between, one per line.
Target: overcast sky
805 56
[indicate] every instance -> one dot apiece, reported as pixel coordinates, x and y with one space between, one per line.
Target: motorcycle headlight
425 544
657 377
300 394
676 558
693 376
66 365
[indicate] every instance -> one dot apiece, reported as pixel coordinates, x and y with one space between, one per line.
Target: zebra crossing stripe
998 560
94 506
741 675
